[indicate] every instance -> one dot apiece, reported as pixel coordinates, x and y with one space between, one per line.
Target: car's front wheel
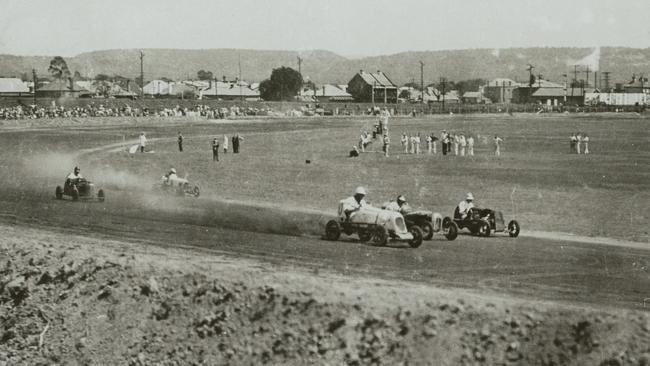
58 193
483 229
380 236
332 230
101 196
451 230
417 237
427 230
513 229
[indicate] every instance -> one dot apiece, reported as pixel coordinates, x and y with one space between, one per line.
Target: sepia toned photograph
324 183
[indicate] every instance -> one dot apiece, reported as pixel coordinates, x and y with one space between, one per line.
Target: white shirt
225 141
74 176
143 140
497 140
470 141
351 204
464 207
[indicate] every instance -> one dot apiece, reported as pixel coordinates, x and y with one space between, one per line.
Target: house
61 88
473 97
372 87
637 85
12 87
549 93
230 90
328 93
500 90
156 88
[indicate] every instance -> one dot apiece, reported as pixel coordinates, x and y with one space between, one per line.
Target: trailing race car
371 223
178 186
431 222
79 188
483 221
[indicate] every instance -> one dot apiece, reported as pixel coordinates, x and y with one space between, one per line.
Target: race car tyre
417 237
427 231
365 235
451 231
513 229
58 193
332 230
484 229
380 236
196 192
101 196
75 193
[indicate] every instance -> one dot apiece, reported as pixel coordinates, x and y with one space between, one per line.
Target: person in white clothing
585 139
354 203
170 177
578 142
412 140
142 141
429 144
405 142
418 140
456 143
225 143
463 144
470 146
497 145
76 174
466 205
400 205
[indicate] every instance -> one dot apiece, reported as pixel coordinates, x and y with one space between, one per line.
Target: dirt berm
73 300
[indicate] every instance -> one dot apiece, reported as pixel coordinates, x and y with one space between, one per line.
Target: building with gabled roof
13 87
372 87
61 88
327 93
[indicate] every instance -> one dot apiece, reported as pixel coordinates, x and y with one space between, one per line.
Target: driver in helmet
465 206
169 177
400 205
73 178
354 203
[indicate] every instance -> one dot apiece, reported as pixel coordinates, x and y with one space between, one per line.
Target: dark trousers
141 149
444 148
215 155
180 146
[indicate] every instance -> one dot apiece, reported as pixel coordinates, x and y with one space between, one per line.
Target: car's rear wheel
417 237
380 236
483 229
332 230
513 229
427 230
451 231
58 193
195 191
101 196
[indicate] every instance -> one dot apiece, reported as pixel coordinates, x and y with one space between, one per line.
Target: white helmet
469 197
360 190
401 198
172 170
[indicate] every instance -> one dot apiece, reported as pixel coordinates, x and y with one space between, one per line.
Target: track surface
528 267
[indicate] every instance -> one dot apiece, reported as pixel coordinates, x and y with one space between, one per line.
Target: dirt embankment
68 299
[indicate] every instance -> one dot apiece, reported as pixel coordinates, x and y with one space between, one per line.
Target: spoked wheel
427 231
196 192
380 236
58 193
332 230
417 237
365 235
451 230
101 196
483 229
513 229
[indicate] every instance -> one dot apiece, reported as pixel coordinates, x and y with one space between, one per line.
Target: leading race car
372 223
79 188
483 221
178 186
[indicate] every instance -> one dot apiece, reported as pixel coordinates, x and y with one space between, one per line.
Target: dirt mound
90 303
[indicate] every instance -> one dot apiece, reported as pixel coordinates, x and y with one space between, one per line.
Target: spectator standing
456 143
404 140
215 149
585 139
225 144
434 142
463 144
412 140
180 141
386 144
236 139
418 141
578 142
142 141
444 138
572 143
470 145
497 145
429 139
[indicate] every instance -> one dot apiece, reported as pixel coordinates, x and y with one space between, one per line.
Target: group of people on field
579 143
216 144
456 144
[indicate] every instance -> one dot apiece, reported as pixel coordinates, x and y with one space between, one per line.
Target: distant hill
328 67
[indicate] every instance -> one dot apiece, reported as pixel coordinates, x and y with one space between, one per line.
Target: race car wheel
484 229
58 193
196 192
451 231
365 235
100 195
380 236
332 230
427 231
417 237
75 193
513 229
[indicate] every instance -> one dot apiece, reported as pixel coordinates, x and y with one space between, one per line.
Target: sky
352 28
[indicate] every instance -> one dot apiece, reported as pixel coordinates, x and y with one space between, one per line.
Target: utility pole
575 78
587 76
241 98
539 80
300 66
530 81
443 82
35 80
565 86
422 80
374 85
606 77
141 74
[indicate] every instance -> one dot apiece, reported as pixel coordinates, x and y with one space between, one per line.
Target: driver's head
172 171
401 200
469 197
359 193
76 170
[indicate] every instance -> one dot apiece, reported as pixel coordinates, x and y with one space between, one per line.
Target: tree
284 84
59 68
102 77
204 75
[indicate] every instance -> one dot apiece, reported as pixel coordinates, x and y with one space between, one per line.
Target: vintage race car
483 221
177 186
430 223
79 188
372 223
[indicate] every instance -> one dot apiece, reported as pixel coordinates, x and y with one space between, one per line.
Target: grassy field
536 180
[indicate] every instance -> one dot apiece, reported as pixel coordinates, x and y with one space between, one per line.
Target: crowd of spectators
35 111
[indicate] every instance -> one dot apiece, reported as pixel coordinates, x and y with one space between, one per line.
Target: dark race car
483 221
430 223
79 188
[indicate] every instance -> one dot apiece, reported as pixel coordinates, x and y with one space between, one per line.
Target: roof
12 85
556 92
156 87
231 89
327 90
472 94
60 86
502 81
379 79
